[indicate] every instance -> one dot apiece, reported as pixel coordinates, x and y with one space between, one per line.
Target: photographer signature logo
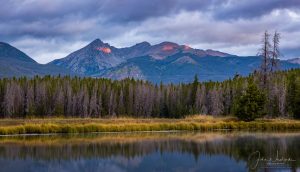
256 160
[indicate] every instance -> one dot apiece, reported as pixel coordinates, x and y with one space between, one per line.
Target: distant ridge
294 60
165 62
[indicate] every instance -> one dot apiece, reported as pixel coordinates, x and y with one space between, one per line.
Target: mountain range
166 62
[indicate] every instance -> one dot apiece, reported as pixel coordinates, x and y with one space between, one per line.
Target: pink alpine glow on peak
104 49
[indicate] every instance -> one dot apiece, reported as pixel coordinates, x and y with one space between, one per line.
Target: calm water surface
165 151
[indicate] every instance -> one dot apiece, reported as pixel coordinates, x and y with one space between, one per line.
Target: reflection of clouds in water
132 162
182 152
90 165
152 162
82 165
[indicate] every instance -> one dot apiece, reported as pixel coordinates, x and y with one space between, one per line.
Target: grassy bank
78 125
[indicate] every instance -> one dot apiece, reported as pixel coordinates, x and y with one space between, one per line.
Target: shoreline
90 125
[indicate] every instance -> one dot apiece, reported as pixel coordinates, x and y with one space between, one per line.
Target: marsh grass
191 123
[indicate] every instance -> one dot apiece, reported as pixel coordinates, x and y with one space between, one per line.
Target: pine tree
251 104
87 97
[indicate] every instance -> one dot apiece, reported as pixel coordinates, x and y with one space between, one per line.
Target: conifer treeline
88 97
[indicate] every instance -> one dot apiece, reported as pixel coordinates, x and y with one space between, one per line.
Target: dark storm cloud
45 18
137 10
32 10
128 10
236 9
40 25
49 17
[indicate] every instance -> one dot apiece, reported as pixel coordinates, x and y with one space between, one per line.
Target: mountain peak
96 42
166 43
98 45
143 44
186 47
10 52
168 46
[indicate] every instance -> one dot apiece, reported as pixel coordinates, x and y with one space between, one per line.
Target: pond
152 151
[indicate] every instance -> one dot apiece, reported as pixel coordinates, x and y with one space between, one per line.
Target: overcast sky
51 29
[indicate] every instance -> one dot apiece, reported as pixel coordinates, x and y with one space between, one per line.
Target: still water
148 151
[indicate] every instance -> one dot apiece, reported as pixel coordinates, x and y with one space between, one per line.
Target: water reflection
175 151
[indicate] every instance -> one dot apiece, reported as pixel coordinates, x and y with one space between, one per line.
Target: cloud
46 50
201 29
236 9
52 29
32 10
125 10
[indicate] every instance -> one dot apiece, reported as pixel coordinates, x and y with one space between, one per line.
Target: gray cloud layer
48 29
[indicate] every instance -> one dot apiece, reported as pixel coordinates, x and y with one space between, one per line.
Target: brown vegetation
192 123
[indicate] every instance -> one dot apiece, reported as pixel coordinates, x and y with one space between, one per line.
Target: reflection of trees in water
236 146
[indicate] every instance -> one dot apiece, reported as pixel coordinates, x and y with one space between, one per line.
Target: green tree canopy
251 104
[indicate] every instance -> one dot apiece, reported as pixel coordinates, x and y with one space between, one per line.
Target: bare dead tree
282 95
265 53
215 101
275 51
93 110
112 104
121 107
201 100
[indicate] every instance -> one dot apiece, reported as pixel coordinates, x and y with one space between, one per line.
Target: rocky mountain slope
14 62
166 62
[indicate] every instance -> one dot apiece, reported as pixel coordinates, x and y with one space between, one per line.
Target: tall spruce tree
251 104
